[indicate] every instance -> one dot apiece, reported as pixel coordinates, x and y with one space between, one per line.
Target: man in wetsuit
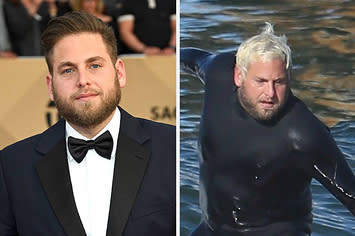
260 146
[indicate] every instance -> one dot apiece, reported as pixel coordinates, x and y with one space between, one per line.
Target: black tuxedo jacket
36 196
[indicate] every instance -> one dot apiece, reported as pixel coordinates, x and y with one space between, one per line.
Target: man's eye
95 66
68 70
280 81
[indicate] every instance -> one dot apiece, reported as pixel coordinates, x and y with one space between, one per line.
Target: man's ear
121 72
238 77
49 82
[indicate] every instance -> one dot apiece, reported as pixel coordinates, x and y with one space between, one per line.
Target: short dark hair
74 23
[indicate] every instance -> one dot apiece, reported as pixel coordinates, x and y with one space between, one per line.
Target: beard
252 109
88 114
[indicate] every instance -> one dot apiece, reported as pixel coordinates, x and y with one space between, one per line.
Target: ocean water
321 35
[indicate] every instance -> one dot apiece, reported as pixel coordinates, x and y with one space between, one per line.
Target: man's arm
172 42
333 172
126 27
195 61
7 222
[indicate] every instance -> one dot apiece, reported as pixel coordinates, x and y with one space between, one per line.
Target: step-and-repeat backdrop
25 108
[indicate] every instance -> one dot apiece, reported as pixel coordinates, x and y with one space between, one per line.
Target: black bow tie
102 145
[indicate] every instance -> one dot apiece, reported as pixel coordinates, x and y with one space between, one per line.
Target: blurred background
322 37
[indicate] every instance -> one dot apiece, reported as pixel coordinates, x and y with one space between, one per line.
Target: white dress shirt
92 180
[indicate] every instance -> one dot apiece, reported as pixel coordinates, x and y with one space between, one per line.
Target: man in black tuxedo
100 171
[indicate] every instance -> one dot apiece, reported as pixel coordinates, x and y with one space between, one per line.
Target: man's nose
83 78
270 89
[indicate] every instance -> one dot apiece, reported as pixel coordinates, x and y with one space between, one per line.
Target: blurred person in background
5 46
148 26
25 20
63 6
113 7
94 7
98 9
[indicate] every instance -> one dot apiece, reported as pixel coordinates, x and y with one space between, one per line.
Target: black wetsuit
255 176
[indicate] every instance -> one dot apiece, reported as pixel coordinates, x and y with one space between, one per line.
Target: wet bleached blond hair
265 46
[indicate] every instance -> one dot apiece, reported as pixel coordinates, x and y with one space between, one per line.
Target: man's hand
7 54
152 51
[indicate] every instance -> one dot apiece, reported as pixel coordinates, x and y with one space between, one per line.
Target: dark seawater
322 37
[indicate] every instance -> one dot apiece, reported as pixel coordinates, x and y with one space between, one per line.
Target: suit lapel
53 172
131 161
